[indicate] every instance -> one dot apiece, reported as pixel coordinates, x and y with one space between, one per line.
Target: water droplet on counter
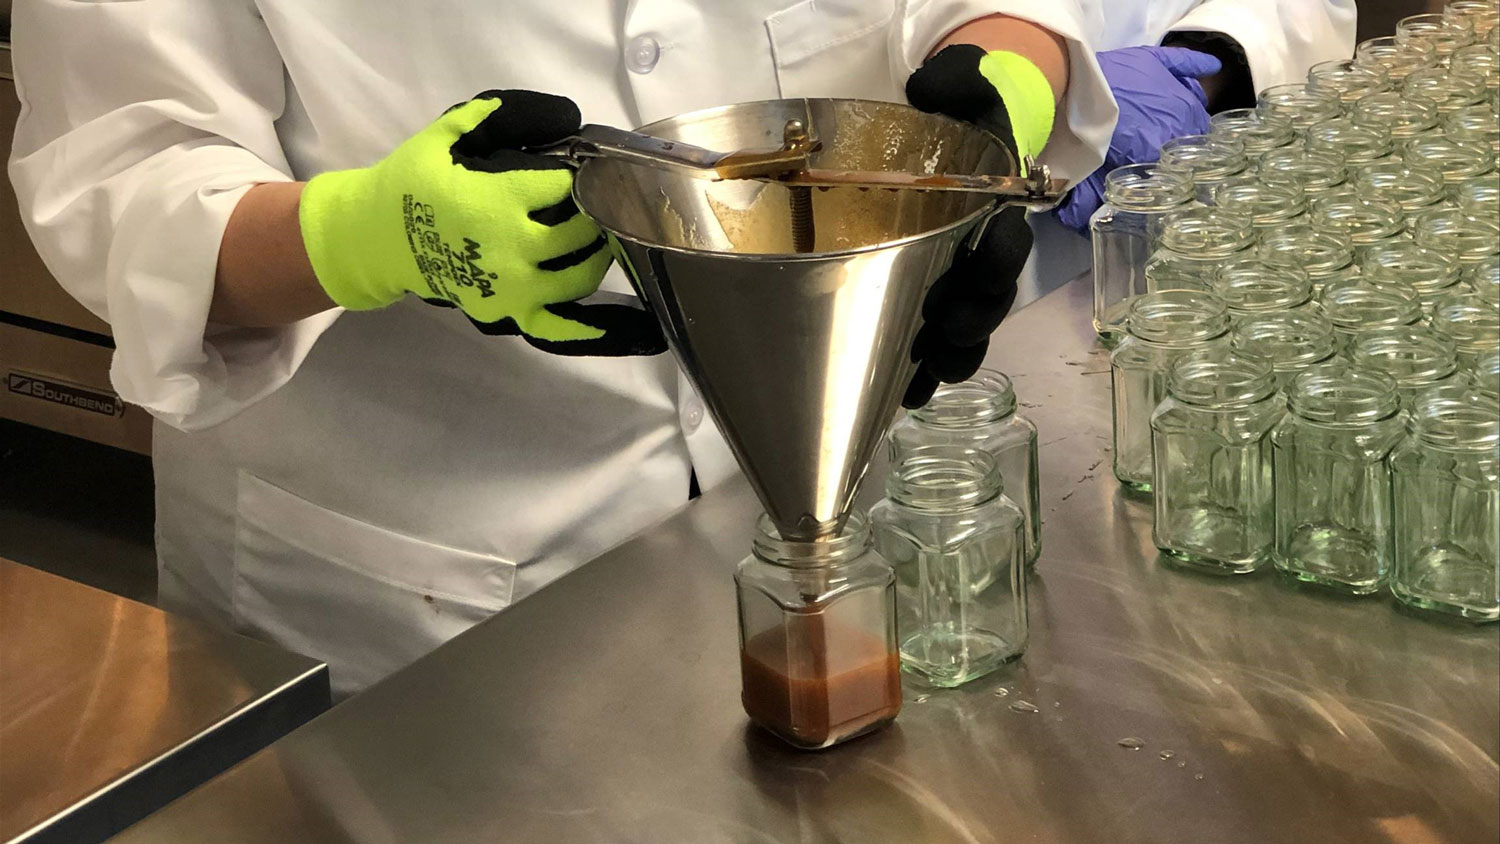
1197 776
1182 764
1056 704
920 699
1023 706
1131 742
1002 692
1166 754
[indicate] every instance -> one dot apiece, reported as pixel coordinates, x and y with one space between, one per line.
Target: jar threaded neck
988 396
944 477
1342 395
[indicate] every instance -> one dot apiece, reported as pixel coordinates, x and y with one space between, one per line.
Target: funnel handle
597 141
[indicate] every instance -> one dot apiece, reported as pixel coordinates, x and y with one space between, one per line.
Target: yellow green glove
462 216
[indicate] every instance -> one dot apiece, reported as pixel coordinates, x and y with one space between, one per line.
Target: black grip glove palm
967 302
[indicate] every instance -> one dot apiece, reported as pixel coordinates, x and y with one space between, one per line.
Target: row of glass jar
1261 365
933 580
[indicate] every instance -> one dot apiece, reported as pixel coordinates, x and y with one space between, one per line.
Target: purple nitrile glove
1160 99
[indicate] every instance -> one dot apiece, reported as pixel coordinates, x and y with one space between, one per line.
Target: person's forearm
1047 50
264 277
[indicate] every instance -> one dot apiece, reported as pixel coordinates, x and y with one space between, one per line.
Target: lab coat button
642 53
692 417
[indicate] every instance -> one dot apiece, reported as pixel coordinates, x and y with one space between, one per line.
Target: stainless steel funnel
801 357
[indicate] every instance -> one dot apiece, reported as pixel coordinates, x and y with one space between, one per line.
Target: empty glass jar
1446 495
1299 104
1426 273
1479 60
1483 278
1326 256
1356 144
1255 132
1480 200
1208 161
1194 242
1292 341
1415 356
818 657
955 542
1444 34
1212 462
1365 221
1163 326
1481 14
1475 124
1413 187
981 413
1347 80
1400 115
1457 161
1331 483
1486 374
1250 286
1450 91
1354 307
1269 205
1471 321
1396 58
1124 232
1449 231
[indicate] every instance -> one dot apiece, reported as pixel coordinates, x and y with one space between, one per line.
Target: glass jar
1458 162
818 658
1417 357
1255 132
1292 341
1481 14
1365 221
1269 205
1347 80
1486 374
1475 124
1398 59
1299 104
1400 115
1330 481
1444 34
1326 256
1124 232
1426 273
981 413
1414 187
1448 90
1480 200
1471 321
1449 231
1250 286
1163 326
1195 241
1483 278
1310 171
1479 60
1208 161
1446 494
1358 306
956 544
1356 144
1212 462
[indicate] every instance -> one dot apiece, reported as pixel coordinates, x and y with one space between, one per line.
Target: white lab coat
360 487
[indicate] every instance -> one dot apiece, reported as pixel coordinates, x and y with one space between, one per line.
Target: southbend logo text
64 394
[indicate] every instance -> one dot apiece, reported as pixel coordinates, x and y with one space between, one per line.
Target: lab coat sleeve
1086 118
1281 38
142 124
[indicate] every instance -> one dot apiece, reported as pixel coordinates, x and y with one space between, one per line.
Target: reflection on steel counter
605 708
109 709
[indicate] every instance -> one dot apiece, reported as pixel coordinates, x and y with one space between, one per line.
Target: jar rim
1414 355
1291 340
1454 418
944 477
1216 378
851 543
1355 303
1170 317
1254 285
987 396
1339 394
1147 187
1206 233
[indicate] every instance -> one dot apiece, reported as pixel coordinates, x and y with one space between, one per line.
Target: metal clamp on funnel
596 141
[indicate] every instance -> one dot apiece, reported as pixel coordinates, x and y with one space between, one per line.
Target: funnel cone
802 358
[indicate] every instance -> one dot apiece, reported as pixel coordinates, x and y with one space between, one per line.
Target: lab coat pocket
834 48
362 598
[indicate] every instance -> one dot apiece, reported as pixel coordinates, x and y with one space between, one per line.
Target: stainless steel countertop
110 709
605 708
